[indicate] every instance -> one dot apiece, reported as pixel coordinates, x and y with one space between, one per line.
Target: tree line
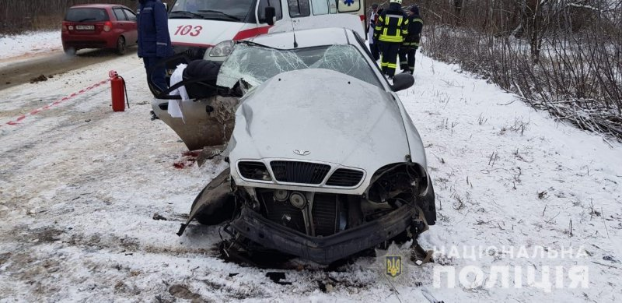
17 16
564 56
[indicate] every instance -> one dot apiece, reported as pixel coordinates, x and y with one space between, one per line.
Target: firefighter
411 41
391 27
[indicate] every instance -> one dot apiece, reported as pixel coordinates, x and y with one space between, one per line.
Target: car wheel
121 46
217 212
223 213
69 51
218 204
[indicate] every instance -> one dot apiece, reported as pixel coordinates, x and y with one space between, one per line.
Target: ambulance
208 28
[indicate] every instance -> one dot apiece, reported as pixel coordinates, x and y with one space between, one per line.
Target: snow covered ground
80 187
29 44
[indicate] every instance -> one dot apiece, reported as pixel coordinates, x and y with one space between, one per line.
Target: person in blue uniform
154 42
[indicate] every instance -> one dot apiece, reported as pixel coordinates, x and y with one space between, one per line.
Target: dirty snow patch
30 43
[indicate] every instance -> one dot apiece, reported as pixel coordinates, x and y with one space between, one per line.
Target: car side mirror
270 13
402 81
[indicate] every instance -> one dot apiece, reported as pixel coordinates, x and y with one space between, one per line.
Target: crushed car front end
342 181
324 160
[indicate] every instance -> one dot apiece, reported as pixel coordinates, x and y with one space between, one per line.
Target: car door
132 26
121 25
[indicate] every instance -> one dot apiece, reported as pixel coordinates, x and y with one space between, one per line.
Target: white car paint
205 33
211 31
340 120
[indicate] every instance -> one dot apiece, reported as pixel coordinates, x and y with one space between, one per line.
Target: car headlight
222 49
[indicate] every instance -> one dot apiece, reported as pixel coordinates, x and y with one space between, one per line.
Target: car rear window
86 15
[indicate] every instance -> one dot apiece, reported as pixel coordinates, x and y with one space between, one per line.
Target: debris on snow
278 277
159 217
40 78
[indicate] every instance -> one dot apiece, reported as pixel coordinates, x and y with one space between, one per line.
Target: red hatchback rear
99 26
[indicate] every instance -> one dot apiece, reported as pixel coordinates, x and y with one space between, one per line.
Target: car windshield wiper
251 43
186 14
221 13
86 19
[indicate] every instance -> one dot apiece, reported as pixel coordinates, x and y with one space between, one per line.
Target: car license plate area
85 27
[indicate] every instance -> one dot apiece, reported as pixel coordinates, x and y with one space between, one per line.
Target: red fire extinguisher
119 92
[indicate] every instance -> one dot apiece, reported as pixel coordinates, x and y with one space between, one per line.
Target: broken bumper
324 250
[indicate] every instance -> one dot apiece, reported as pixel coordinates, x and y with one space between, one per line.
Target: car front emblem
301 152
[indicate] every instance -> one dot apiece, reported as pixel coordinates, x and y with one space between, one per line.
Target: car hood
320 115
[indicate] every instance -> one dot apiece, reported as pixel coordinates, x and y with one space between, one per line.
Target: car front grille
328 214
299 172
253 170
345 177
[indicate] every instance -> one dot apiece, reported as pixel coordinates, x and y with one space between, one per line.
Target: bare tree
562 56
18 16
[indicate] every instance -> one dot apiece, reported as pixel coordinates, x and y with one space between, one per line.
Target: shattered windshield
233 10
256 64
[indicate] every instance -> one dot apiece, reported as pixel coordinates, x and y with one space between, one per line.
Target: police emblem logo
393 266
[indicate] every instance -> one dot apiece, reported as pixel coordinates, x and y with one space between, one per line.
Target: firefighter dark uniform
411 41
391 27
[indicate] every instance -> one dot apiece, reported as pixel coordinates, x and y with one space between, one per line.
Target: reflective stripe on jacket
392 25
414 31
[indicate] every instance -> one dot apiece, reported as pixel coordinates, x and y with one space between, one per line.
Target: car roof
304 38
97 6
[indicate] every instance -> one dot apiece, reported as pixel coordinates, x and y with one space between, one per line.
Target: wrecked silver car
324 160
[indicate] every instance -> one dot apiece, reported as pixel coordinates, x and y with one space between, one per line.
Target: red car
108 26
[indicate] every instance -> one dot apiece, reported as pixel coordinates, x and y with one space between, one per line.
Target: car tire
70 51
121 45
428 206
223 213
216 213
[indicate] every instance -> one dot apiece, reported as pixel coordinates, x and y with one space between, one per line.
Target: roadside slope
508 176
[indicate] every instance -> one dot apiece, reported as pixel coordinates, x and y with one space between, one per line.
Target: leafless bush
563 56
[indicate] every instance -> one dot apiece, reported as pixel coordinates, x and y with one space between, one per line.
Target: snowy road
23 69
30 55
80 185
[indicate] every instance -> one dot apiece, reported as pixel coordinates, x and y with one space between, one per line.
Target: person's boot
391 74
